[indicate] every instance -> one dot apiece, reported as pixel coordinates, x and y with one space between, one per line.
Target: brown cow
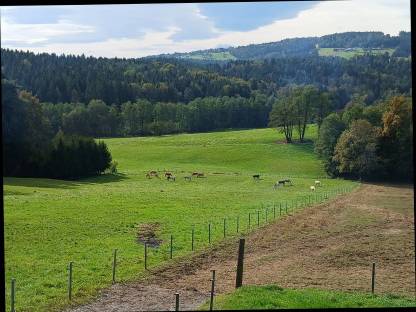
152 173
168 174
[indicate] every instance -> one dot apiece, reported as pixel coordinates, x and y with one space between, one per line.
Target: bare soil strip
328 246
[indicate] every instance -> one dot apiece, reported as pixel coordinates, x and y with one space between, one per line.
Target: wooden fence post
176 302
373 277
211 302
240 263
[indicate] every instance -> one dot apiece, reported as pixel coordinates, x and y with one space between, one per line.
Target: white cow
318 183
312 188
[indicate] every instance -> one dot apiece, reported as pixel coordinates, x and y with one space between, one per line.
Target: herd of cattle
171 177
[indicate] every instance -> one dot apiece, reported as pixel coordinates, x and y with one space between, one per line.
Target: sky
137 30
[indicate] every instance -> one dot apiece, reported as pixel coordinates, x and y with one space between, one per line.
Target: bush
74 157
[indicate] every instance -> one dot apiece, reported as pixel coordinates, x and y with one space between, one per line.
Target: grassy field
350 54
51 222
214 56
274 297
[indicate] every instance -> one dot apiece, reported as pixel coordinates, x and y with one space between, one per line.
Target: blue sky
135 30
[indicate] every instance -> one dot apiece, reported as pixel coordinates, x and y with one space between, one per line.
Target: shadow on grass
63 184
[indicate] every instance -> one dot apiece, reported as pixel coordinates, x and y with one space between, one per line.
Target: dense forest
115 81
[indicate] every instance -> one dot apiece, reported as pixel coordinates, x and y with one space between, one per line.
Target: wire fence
198 237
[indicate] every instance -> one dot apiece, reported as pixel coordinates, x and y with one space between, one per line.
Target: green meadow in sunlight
49 223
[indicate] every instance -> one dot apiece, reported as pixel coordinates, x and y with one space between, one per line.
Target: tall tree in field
283 116
305 99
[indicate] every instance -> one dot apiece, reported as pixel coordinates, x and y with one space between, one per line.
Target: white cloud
325 18
38 33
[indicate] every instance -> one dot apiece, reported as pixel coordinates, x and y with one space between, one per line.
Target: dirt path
329 246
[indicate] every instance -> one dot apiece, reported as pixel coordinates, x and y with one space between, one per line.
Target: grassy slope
51 222
274 297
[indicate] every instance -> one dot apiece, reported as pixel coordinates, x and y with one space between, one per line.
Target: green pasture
49 223
206 55
350 54
274 297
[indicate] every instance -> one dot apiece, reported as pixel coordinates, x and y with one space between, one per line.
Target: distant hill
357 43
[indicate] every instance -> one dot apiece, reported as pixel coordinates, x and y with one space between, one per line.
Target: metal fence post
114 265
193 234
171 246
12 295
70 281
145 255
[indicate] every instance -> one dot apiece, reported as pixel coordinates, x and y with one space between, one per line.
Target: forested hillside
74 79
305 47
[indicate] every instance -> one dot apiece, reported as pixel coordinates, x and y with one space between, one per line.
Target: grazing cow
171 178
256 176
312 188
168 174
152 174
278 184
287 181
195 173
317 183
188 178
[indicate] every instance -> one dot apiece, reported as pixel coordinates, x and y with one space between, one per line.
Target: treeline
72 79
369 142
32 149
142 117
372 39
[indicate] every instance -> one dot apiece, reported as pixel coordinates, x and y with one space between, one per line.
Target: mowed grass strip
275 297
49 223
